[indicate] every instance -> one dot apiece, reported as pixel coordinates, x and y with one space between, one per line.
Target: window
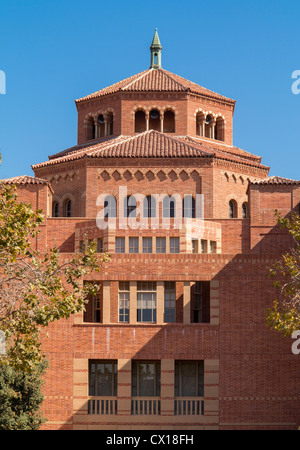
149 206
245 210
174 245
189 379
160 245
120 245
154 120
90 129
195 246
146 301
92 313
110 123
169 207
130 206
197 312
67 208
169 301
99 245
219 129
232 209
123 301
110 206
188 207
203 246
55 209
169 122
103 378
145 379
133 245
140 122
213 247
101 125
147 245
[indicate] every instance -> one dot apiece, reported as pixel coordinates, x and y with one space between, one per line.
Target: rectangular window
198 302
203 246
97 308
174 245
160 245
133 245
145 379
99 245
92 313
147 245
120 245
194 245
123 301
189 378
103 378
146 301
169 301
213 247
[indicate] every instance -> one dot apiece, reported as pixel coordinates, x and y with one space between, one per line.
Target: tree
36 288
20 398
285 314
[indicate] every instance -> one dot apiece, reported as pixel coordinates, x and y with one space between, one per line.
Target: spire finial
155 49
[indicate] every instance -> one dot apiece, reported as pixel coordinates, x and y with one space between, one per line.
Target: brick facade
250 377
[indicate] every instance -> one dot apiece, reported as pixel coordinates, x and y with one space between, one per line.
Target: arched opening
67 208
110 206
169 207
169 122
110 123
200 124
55 209
140 121
90 129
245 210
149 206
208 121
232 209
154 120
219 129
188 207
101 125
130 206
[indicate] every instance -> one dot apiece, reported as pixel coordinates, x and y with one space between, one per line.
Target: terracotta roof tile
151 144
276 180
24 180
155 80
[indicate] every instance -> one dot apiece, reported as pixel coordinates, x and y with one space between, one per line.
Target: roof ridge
142 74
168 74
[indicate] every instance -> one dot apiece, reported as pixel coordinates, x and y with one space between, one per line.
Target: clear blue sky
53 52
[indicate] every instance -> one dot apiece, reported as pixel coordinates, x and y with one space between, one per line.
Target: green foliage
36 288
285 314
20 398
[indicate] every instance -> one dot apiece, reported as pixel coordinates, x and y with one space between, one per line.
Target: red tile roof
153 144
156 80
276 180
24 180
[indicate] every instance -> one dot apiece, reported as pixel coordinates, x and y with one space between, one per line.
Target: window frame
145 288
180 385
136 378
93 386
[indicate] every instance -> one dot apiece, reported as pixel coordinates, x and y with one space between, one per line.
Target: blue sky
53 52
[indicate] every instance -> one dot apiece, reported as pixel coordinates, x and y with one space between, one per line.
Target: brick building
177 336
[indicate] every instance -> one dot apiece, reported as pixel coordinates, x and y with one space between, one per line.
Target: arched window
67 208
110 206
208 120
169 122
140 121
149 206
188 207
110 123
55 209
90 129
200 124
245 210
169 207
101 125
130 206
232 209
219 129
154 120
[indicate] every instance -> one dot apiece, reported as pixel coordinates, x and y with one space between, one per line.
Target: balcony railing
103 405
188 406
145 406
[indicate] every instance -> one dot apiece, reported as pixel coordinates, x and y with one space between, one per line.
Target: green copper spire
156 49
